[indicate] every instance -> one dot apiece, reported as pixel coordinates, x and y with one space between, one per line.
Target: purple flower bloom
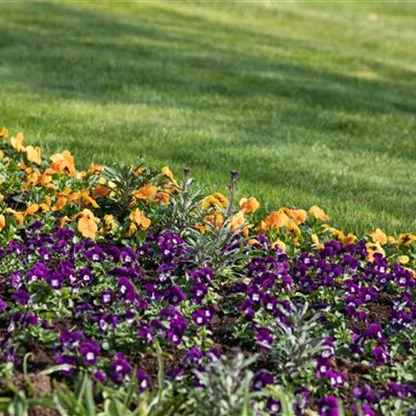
145 332
175 295
337 379
15 280
68 362
199 290
3 305
90 351
261 380
99 376
21 297
128 256
273 406
107 297
328 406
143 380
126 289
119 368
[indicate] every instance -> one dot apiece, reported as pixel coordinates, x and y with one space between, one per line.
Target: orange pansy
297 215
4 133
17 142
34 154
138 218
2 222
145 192
378 236
318 213
250 205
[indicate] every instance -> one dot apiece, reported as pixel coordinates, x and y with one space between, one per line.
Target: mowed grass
314 103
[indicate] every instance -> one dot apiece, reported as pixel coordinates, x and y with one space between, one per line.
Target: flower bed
126 290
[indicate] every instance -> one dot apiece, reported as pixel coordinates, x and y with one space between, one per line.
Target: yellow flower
145 192
403 259
406 239
168 173
378 236
292 228
138 218
318 213
34 154
315 241
17 142
4 133
216 201
87 224
2 222
280 244
1 154
247 206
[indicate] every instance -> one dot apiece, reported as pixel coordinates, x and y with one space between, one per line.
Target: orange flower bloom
88 200
21 215
318 213
217 220
2 222
87 224
315 241
17 142
100 191
168 173
237 221
145 192
162 197
348 239
34 154
94 169
63 221
138 218
247 206
298 215
378 236
62 163
276 219
61 201
4 133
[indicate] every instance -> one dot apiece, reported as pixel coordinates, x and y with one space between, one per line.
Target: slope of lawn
314 103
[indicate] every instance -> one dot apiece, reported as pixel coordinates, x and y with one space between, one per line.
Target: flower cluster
93 279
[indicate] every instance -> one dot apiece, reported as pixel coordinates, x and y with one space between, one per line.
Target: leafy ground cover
127 291
313 102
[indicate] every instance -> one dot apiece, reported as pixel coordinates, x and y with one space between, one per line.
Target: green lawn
310 101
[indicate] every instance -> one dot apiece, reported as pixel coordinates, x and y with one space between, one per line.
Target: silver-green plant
225 389
296 346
